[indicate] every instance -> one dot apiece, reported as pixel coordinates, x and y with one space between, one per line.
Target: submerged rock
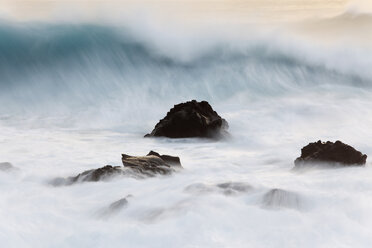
228 188
191 119
114 208
99 174
6 166
118 205
232 188
134 166
331 153
278 198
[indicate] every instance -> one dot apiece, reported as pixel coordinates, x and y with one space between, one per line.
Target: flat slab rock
336 153
191 119
152 163
133 166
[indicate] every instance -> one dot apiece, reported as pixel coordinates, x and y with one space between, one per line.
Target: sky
272 10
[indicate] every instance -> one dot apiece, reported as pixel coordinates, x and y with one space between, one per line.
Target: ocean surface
75 95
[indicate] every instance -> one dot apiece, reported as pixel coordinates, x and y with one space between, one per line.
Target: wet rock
199 188
114 208
60 181
151 164
171 160
331 153
134 166
191 119
231 188
278 198
101 174
95 175
5 166
118 205
228 188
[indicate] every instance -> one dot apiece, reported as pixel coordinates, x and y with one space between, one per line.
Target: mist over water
74 96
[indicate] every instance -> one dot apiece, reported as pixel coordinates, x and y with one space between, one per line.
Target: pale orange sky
326 19
274 10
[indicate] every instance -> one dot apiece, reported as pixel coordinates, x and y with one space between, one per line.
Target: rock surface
152 163
171 160
191 119
331 153
99 174
134 166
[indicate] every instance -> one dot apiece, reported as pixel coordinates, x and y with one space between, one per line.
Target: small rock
118 205
278 198
113 208
231 188
6 166
199 188
228 188
95 175
331 153
99 174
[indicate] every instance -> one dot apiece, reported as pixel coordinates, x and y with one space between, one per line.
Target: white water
63 114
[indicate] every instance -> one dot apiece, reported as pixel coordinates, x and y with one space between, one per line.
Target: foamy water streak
74 97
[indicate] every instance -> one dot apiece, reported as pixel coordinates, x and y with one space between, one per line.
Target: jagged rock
94 175
278 198
191 119
171 160
99 174
331 153
152 163
134 166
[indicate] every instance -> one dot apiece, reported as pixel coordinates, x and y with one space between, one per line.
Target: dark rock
278 198
6 166
99 174
171 160
94 175
331 153
134 166
191 119
151 164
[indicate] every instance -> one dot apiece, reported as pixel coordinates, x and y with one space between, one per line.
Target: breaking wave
95 70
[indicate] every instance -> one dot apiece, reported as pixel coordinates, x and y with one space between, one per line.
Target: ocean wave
50 44
48 67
